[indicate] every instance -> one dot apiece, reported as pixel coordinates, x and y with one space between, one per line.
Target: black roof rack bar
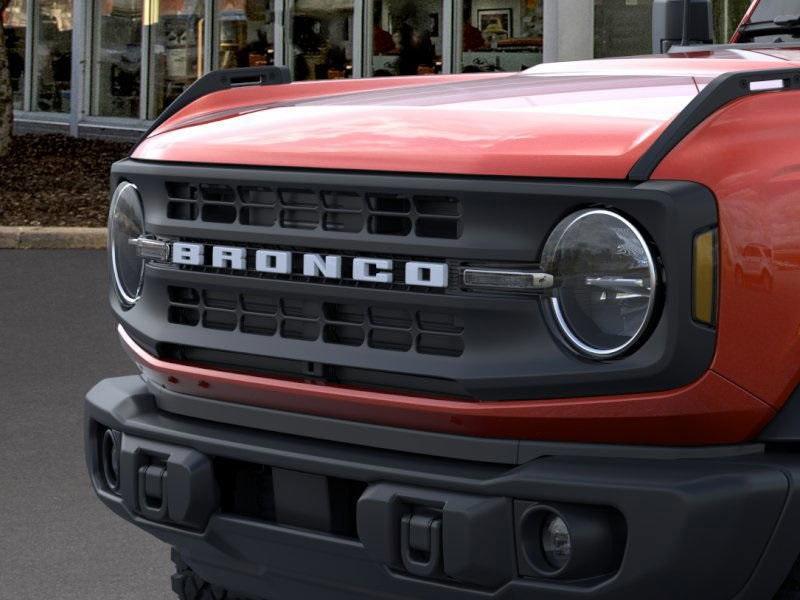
216 81
721 91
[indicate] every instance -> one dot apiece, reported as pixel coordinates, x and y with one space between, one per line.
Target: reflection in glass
505 36
321 39
117 68
244 33
176 56
53 56
727 16
15 23
406 37
622 28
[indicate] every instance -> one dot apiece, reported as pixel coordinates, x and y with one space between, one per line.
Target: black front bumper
285 516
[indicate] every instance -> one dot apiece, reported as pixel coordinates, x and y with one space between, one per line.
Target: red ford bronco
483 336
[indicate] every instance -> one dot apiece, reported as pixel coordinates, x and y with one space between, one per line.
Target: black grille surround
494 346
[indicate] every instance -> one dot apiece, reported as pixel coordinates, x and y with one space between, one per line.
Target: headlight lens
605 282
126 222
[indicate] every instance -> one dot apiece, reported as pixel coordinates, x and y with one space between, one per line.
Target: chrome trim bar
148 247
507 280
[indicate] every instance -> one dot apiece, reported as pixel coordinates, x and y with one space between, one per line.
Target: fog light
556 542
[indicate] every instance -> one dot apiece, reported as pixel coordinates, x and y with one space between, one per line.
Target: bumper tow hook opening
421 544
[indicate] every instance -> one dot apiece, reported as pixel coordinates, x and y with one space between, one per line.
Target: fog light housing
568 541
126 223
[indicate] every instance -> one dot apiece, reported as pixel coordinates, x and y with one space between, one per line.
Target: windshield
773 21
767 10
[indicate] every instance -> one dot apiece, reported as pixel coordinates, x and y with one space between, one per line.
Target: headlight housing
126 223
605 282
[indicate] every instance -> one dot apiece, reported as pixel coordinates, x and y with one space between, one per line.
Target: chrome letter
426 274
363 267
187 254
329 267
229 258
273 261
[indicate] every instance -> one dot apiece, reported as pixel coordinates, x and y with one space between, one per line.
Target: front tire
188 585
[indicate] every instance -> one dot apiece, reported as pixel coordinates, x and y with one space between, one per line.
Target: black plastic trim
785 427
715 528
721 91
217 81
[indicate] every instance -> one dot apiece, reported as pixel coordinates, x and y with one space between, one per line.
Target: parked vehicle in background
473 336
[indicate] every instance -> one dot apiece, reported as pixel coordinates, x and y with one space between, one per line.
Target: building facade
108 67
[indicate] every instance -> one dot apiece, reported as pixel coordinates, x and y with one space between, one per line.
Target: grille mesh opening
336 211
181 315
345 324
219 213
217 193
182 211
346 335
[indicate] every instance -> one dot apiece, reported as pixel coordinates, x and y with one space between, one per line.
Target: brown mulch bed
55 180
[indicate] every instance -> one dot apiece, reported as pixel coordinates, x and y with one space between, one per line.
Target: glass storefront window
501 35
320 39
406 37
117 67
244 33
623 28
15 23
176 53
52 56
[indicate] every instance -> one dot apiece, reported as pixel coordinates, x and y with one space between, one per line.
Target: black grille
340 211
390 336
438 333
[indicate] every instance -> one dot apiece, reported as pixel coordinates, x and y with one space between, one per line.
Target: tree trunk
6 94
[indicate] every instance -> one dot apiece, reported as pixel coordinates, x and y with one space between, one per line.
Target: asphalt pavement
57 339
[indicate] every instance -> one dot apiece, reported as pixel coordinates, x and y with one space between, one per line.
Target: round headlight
125 223
604 282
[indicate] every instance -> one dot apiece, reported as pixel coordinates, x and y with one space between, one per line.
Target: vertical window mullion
91 50
27 96
359 37
367 45
96 42
446 30
209 43
144 84
77 64
279 33
458 36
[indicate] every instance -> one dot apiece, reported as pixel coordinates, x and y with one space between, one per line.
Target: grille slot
378 327
336 211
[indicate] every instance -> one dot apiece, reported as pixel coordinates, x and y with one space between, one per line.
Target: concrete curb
53 238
